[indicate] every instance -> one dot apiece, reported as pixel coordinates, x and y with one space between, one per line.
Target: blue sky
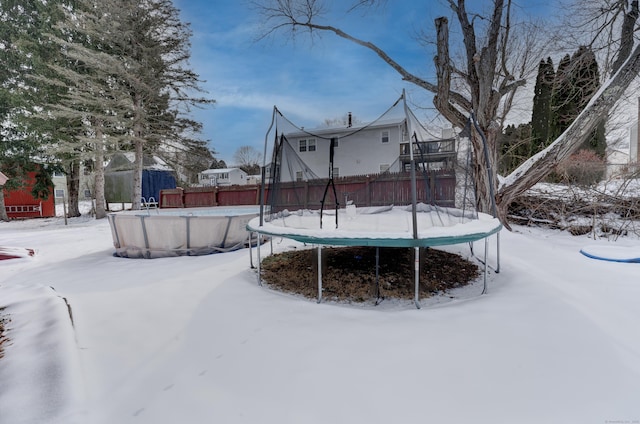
308 81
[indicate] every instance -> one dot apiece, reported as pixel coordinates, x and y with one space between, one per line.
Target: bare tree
347 120
494 63
248 158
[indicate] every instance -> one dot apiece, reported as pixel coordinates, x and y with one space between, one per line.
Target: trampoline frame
416 244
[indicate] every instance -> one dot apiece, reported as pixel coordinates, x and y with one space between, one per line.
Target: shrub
583 168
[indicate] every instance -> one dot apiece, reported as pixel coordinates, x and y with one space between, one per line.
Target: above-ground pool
174 232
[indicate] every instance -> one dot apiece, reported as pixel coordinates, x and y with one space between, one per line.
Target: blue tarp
119 185
153 181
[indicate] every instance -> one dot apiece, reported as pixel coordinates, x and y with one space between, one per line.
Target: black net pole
264 164
330 183
414 195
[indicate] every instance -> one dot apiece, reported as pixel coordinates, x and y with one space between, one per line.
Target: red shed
21 204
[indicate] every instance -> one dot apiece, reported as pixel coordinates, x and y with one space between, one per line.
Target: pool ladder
148 205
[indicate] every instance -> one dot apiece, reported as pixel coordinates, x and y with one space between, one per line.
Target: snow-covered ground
196 340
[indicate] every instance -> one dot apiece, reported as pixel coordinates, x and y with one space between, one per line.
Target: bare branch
288 15
627 31
367 3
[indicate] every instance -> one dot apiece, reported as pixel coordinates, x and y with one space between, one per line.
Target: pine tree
23 50
152 46
577 80
586 81
563 107
540 118
129 86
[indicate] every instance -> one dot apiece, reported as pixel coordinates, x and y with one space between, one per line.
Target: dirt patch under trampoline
349 273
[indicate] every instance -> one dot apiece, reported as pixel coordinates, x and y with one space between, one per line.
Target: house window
336 172
384 167
272 172
58 174
223 176
385 136
59 193
87 194
307 145
298 175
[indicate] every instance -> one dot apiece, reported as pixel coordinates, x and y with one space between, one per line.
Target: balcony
430 151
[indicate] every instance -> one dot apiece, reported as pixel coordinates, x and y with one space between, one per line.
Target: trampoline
418 223
383 227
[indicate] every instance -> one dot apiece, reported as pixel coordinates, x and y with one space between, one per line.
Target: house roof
220 170
123 161
380 123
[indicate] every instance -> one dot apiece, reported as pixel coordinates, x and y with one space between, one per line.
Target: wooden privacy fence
368 190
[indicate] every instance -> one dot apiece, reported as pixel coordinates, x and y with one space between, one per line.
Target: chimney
349 118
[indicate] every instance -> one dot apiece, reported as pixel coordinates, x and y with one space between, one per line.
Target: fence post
306 195
432 187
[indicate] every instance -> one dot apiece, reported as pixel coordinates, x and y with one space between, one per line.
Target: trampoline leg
416 251
497 253
378 299
250 252
486 248
319 273
259 265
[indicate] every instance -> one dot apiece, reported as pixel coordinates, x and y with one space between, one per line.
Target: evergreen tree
586 81
540 118
563 107
129 85
577 80
23 52
155 47
152 46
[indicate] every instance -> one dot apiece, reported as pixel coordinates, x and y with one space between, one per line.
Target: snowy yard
196 340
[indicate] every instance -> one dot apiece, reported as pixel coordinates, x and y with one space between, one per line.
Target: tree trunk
484 174
137 176
73 189
139 152
99 173
3 209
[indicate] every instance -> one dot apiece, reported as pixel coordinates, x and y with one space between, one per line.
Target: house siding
232 176
361 153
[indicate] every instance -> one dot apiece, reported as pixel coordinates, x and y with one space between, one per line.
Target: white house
634 144
623 161
222 177
618 164
254 179
358 150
